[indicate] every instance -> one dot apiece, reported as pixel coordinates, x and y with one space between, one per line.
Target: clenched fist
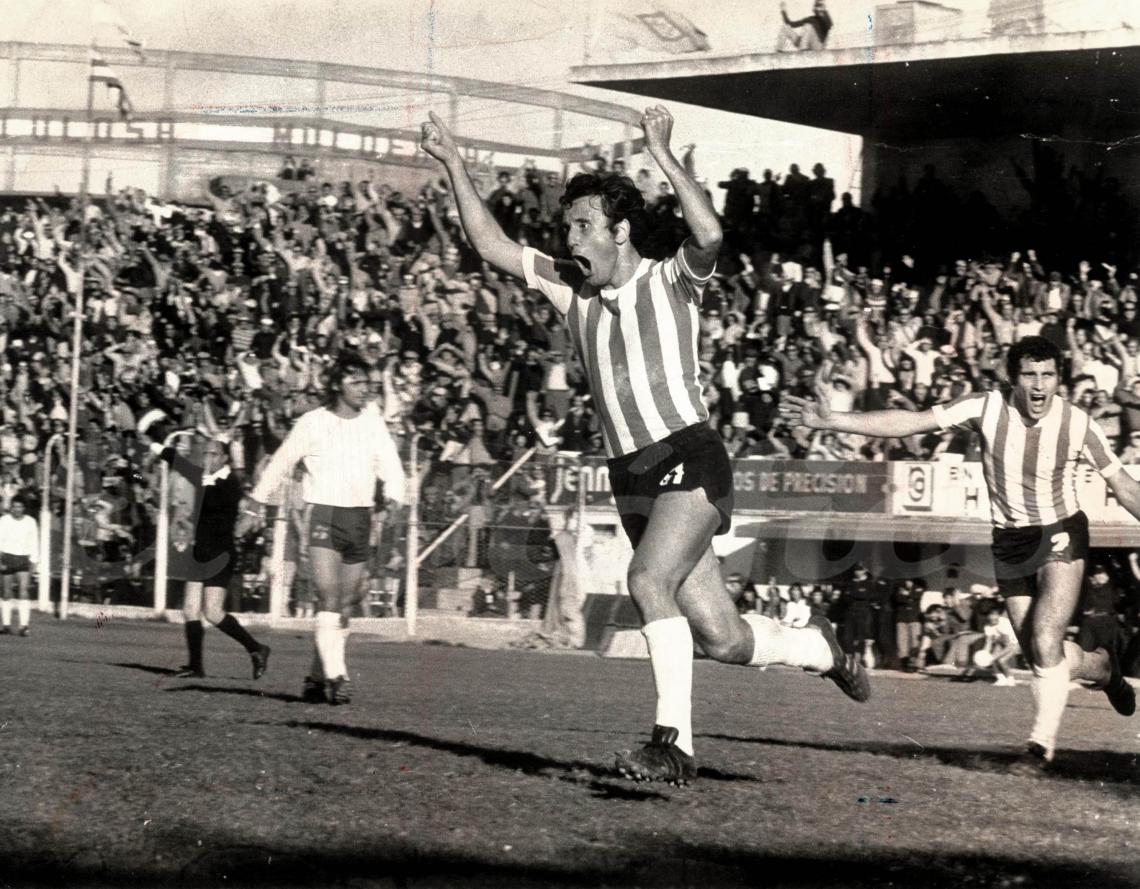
436 139
657 123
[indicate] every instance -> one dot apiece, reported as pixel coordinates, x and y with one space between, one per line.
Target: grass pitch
460 767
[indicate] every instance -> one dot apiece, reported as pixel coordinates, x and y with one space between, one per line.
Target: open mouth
583 263
1037 402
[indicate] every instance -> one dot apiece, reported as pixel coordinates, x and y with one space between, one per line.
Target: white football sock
671 655
25 606
342 645
1050 695
792 646
327 637
6 611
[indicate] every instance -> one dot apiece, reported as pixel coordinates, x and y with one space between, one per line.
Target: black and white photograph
626 444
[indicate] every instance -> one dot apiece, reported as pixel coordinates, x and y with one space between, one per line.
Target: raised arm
862 338
702 247
988 308
485 234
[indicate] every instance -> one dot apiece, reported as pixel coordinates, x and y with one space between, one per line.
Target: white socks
1050 695
342 645
6 612
25 606
792 646
330 644
671 656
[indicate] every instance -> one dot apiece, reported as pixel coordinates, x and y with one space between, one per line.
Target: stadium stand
224 317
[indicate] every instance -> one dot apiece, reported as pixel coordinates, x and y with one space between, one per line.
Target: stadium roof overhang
1061 85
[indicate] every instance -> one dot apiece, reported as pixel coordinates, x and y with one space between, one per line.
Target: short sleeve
683 282
964 412
1099 453
557 280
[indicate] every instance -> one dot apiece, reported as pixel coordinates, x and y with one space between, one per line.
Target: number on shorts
674 476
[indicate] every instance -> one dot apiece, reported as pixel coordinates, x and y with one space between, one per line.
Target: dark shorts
209 566
691 459
1019 553
10 564
222 564
343 529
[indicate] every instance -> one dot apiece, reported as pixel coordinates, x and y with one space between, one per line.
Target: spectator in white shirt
925 359
19 551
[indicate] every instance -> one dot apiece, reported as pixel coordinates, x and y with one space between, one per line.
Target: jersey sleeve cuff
700 279
1112 468
939 414
528 256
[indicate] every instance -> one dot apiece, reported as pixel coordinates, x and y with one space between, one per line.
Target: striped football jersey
1031 470
637 342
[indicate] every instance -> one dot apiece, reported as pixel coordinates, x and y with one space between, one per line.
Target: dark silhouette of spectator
804 34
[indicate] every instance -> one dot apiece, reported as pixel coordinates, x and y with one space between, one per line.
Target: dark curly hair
347 363
1033 348
620 199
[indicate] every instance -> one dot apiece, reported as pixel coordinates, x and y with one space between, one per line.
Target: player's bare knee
648 585
723 643
327 601
1048 648
214 615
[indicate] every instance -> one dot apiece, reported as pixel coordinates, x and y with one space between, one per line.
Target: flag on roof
655 27
103 73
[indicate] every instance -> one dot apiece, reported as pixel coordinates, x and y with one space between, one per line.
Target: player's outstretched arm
485 234
702 248
1126 490
882 424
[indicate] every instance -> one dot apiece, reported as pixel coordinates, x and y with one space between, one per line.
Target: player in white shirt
19 552
345 449
1032 442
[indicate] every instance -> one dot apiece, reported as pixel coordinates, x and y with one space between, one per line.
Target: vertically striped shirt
1031 470
343 457
637 342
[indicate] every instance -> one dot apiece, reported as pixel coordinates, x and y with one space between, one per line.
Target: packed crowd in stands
225 317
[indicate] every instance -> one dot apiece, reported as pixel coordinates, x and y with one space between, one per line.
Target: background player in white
19 552
345 448
1032 442
634 323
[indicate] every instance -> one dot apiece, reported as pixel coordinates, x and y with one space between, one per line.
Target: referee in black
217 498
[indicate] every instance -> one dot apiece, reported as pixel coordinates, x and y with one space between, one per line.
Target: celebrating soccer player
1032 442
345 448
634 323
